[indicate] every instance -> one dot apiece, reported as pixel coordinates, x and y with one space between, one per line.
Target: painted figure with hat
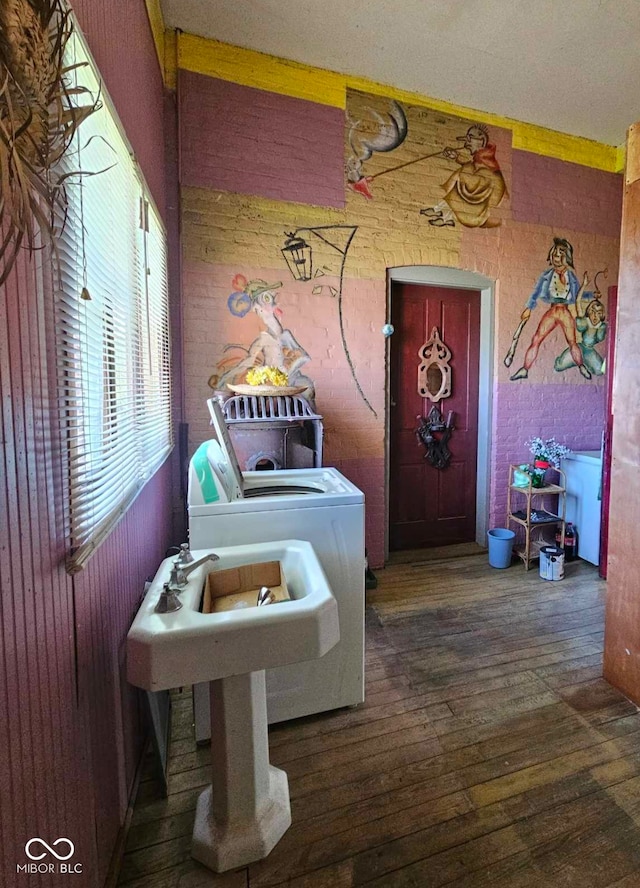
559 290
275 346
475 188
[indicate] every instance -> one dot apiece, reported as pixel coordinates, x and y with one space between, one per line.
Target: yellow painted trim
621 157
526 136
156 20
551 143
256 69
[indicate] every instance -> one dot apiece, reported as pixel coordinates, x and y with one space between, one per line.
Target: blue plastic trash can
500 546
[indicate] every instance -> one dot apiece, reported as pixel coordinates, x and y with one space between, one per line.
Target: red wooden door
612 312
429 506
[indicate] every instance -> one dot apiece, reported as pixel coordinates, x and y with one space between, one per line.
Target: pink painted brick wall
236 138
544 410
209 325
565 195
354 438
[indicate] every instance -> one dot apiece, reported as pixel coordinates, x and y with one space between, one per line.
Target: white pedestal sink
245 811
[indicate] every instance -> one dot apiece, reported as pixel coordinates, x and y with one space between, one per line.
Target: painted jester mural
564 296
469 194
275 346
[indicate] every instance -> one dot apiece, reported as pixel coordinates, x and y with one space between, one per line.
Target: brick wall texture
255 165
255 142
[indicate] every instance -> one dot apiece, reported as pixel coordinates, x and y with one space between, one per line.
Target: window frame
152 343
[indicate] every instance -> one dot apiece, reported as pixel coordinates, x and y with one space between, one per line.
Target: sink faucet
265 596
180 572
185 556
168 601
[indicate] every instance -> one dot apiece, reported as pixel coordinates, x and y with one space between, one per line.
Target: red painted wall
70 727
107 595
44 768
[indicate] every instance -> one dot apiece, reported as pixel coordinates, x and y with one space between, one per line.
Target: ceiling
571 65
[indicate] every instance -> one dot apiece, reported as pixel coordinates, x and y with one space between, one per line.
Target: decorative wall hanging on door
435 433
434 370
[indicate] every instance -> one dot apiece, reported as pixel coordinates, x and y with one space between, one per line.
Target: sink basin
186 646
246 809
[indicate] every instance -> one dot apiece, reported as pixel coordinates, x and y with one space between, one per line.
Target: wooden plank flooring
489 752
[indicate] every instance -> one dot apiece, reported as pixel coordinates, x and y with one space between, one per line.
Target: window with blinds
112 324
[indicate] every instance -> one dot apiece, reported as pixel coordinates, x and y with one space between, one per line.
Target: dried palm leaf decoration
40 111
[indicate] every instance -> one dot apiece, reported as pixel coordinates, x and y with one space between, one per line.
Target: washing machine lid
222 433
235 479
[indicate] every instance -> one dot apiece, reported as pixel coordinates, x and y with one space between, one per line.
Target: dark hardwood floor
490 751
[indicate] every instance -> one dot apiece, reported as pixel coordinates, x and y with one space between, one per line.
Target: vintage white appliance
583 470
228 507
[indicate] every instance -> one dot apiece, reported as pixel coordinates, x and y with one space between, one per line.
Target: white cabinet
583 470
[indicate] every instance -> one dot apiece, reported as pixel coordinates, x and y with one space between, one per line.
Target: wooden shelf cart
527 508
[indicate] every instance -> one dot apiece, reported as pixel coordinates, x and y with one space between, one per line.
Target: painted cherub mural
274 346
560 290
475 188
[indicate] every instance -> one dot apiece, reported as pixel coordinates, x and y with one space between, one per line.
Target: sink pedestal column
246 810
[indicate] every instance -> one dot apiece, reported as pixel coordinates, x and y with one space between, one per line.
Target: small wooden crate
238 587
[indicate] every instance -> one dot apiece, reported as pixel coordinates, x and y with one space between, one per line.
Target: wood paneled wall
70 727
44 766
622 632
107 595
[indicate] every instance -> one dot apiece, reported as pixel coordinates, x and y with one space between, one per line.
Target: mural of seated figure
275 346
593 327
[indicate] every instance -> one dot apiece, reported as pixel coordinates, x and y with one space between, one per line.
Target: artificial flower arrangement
545 454
547 451
267 376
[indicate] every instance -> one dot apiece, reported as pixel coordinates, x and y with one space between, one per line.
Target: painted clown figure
275 345
558 288
473 190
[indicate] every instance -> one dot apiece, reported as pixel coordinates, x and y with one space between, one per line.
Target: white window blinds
112 325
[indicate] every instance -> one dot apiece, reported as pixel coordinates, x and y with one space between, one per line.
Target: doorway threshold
436 553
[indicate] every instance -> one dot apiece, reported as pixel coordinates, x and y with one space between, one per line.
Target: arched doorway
453 279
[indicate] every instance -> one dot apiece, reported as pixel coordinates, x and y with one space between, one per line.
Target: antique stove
271 432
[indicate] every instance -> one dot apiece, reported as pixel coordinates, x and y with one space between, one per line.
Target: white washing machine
228 507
